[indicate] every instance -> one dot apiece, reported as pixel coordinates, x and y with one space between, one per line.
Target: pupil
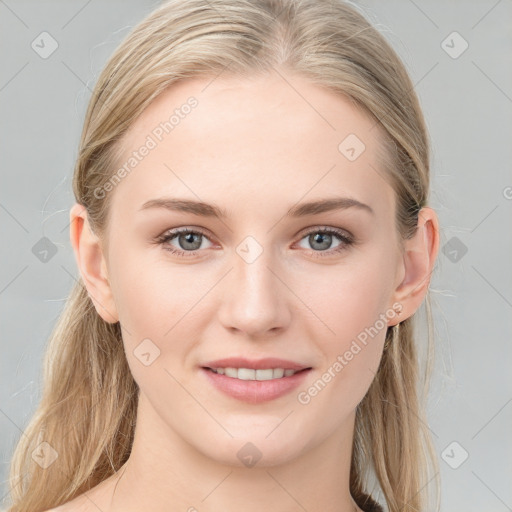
189 239
323 238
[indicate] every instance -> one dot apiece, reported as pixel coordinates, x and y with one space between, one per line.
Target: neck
165 470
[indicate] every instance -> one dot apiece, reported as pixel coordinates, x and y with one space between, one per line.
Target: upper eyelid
320 227
173 232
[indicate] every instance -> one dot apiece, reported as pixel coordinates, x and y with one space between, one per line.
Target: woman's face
262 281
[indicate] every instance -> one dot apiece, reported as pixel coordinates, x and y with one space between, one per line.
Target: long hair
84 424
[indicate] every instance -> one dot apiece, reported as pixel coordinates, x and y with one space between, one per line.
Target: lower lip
255 391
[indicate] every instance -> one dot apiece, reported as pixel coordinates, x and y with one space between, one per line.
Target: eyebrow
301 210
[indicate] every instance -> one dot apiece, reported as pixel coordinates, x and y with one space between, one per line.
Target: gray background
467 101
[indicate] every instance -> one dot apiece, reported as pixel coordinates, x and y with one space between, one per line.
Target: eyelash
169 235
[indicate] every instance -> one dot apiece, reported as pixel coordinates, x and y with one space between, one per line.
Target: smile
251 374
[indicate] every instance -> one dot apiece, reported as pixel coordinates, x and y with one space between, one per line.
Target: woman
253 239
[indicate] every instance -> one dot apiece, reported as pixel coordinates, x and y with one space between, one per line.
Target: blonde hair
89 399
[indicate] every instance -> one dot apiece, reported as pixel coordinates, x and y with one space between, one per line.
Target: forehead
274 138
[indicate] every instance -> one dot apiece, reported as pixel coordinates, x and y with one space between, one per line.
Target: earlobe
420 253
91 263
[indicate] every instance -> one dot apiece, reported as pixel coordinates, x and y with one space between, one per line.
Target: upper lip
255 364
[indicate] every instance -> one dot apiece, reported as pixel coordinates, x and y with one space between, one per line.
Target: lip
259 364
255 391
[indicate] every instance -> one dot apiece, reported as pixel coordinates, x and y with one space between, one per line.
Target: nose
255 299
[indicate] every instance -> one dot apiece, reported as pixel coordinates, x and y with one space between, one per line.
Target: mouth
260 374
265 383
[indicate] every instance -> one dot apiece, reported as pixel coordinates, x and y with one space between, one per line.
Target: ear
417 262
91 263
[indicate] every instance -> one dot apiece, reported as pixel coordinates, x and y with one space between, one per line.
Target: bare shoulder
79 504
72 506
97 498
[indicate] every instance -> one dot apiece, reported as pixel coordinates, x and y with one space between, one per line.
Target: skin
256 148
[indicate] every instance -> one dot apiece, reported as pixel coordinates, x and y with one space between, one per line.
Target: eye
188 241
321 239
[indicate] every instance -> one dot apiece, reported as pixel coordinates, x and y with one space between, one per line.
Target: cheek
151 294
150 300
351 304
161 307
349 298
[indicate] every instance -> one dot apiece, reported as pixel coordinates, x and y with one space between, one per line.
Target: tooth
231 372
264 374
246 374
250 374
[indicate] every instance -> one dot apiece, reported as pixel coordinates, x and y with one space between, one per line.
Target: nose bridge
254 301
